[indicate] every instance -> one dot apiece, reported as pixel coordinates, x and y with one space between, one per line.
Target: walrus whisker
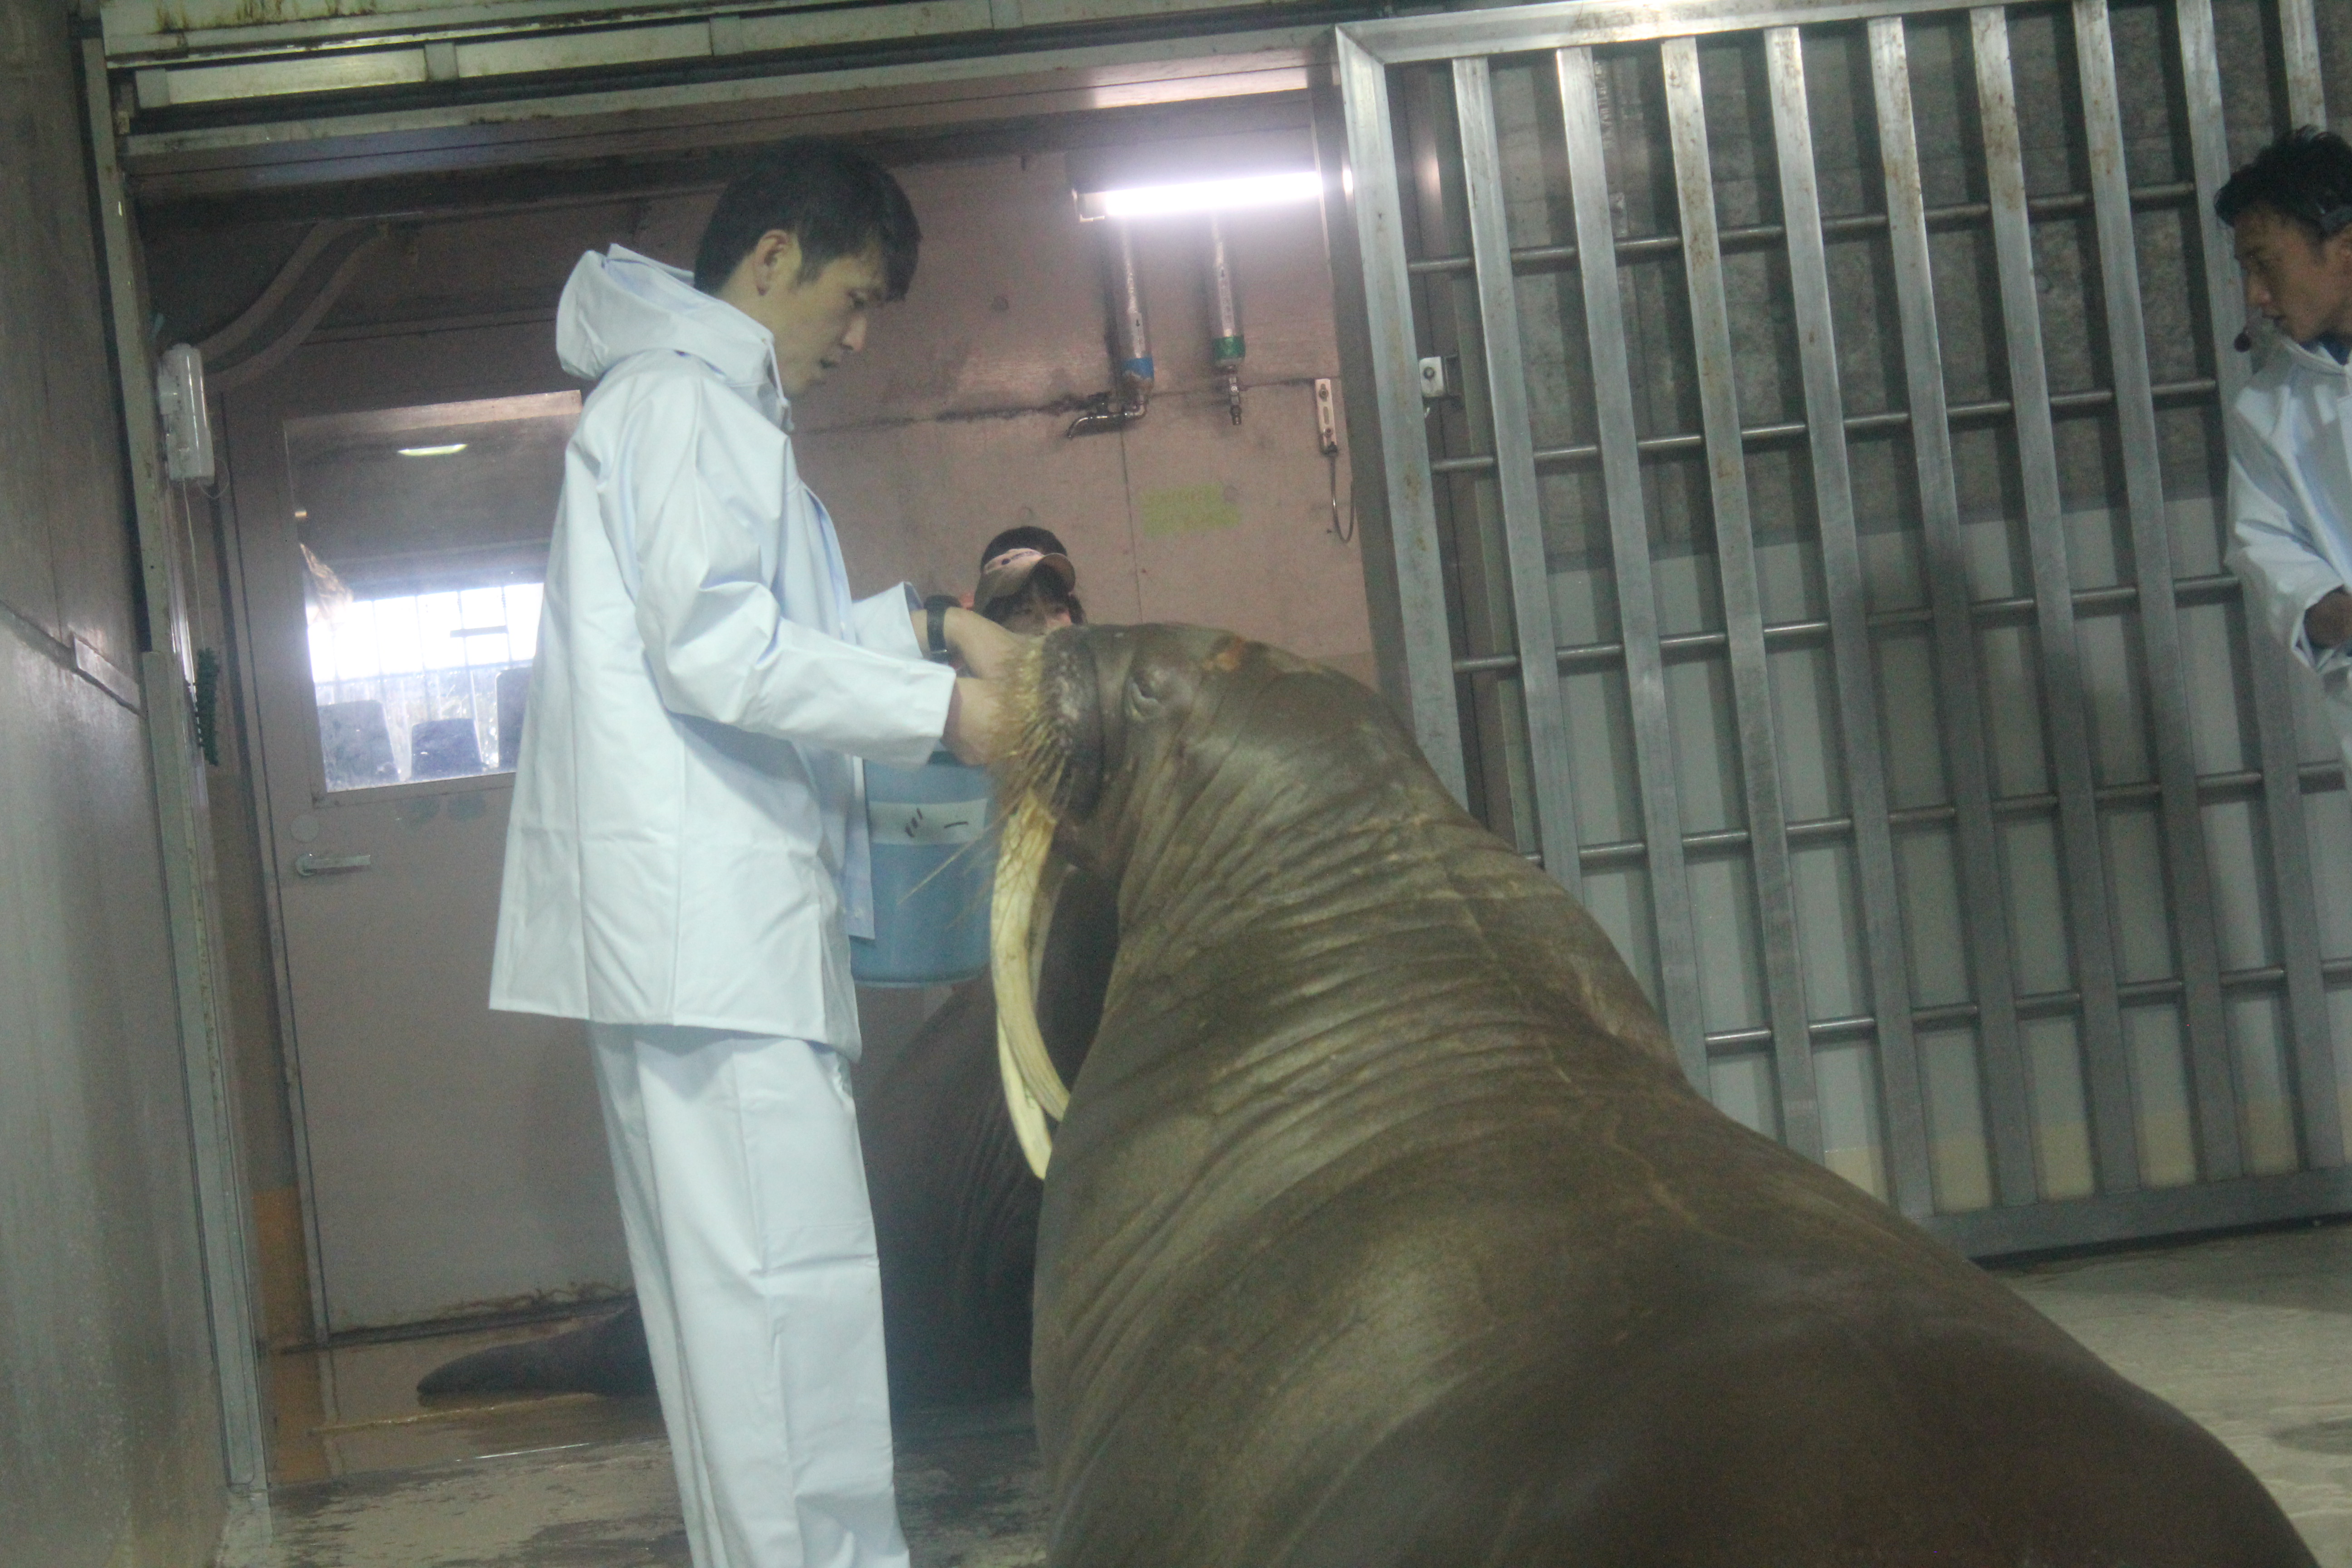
978 906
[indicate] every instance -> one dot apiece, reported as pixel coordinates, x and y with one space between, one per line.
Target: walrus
1380 1227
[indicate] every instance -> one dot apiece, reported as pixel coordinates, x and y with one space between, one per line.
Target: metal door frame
223 1220
1422 672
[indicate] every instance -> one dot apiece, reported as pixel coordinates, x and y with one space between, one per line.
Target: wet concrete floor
2250 1335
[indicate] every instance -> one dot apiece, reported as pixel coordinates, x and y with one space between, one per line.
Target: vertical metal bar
1629 536
1963 721
2318 1116
1478 568
2306 100
1404 437
1743 610
2114 1126
2184 830
2208 151
1514 466
223 1225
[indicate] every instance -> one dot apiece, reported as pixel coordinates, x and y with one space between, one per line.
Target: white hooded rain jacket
2291 505
688 841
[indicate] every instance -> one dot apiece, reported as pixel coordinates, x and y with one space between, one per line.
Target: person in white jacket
2290 211
687 857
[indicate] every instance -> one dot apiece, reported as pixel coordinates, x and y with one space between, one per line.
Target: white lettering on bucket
929 822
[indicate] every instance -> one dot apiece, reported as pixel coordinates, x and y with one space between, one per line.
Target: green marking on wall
1187 509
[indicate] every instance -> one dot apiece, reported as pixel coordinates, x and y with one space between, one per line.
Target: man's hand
981 645
978 645
975 720
2328 623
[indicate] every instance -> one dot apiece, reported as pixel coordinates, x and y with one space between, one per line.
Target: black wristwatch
938 605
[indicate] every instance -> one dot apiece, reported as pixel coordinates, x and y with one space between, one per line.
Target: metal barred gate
1899 718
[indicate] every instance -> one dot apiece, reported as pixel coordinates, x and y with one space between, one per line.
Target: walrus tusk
1033 1091
1028 1122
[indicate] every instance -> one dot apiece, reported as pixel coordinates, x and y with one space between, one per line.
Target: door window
423 535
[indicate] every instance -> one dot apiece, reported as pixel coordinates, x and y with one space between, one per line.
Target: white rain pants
743 1197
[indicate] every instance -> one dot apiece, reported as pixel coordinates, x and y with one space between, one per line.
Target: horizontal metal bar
2007 1231
598 119
1820 1031
1751 235
1855 425
1724 1043
1587 656
1570 23
1619 853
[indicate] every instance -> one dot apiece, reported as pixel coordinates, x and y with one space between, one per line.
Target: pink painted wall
934 439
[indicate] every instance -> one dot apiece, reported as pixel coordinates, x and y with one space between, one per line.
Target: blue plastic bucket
934 866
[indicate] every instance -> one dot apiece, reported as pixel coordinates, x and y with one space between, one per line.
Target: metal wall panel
1825 406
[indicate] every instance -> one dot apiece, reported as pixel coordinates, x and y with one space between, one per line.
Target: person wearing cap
2290 431
1027 582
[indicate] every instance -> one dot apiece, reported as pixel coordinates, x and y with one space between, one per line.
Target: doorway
388 554
410 445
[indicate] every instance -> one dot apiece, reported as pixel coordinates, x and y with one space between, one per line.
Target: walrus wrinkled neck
1302 847
1278 802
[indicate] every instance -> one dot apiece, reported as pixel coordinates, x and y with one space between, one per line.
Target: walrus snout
1070 692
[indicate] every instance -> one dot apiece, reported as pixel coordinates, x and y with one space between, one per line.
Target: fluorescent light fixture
1203 196
433 451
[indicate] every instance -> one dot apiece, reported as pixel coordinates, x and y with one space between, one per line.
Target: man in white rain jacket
2290 428
688 856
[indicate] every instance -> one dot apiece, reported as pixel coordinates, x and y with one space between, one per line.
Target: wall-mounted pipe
1225 348
1130 343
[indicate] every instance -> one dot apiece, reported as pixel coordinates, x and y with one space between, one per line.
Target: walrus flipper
607 1356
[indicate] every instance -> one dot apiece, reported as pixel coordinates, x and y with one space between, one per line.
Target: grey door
393 503
1893 708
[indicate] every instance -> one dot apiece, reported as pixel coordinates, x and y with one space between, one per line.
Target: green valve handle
1226 352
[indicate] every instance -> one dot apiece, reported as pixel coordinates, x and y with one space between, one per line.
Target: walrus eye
1142 702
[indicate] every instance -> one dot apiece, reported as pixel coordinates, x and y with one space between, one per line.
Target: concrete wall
109 1444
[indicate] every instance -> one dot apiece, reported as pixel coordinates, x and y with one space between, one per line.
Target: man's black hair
2304 176
830 196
